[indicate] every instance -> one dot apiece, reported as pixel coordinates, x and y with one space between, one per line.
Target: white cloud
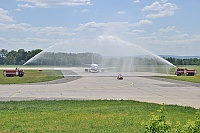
17 9
90 25
4 16
55 31
169 6
185 43
37 31
168 29
156 6
85 10
52 3
28 43
2 39
14 27
121 12
138 31
160 9
182 36
136 1
143 22
160 14
29 37
25 6
93 26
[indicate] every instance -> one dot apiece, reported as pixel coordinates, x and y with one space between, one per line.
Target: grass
193 79
84 116
32 76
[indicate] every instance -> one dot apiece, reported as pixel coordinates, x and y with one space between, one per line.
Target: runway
141 87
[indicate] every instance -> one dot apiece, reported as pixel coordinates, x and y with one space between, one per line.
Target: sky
164 27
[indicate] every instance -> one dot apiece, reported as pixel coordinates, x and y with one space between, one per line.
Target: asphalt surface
90 86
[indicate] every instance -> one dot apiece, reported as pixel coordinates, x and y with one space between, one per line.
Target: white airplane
94 68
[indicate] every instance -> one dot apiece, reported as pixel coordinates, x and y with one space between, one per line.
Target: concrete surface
91 86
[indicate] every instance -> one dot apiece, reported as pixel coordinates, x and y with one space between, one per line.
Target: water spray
115 53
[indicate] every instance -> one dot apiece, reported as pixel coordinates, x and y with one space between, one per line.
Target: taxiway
90 86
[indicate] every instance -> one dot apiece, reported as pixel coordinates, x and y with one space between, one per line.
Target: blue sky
165 27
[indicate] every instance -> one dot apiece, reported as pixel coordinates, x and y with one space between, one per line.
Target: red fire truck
11 73
185 71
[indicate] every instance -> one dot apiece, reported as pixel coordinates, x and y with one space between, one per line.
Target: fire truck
11 73
185 71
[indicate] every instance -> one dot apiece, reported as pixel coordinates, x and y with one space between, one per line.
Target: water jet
109 52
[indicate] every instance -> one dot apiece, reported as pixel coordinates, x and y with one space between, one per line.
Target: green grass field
84 116
194 79
32 76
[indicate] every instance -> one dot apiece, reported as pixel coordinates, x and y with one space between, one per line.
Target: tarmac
78 85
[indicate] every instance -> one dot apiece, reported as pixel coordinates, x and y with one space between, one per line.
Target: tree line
46 58
65 59
21 56
16 57
81 59
191 61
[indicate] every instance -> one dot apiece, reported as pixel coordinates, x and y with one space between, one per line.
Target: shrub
193 126
158 124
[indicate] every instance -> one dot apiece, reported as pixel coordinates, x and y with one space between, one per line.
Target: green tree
21 55
3 54
11 58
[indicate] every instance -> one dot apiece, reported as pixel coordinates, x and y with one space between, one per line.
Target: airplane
94 68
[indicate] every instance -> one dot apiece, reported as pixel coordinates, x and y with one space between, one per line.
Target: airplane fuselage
93 68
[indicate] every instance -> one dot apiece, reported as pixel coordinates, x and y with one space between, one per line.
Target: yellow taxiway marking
14 94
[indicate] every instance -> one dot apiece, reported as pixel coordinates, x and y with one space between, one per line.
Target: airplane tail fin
92 58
